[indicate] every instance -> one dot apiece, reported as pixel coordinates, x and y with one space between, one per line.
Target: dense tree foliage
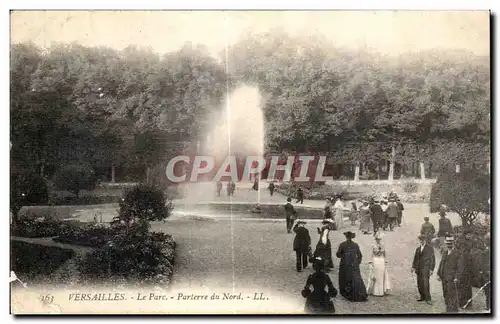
132 108
465 193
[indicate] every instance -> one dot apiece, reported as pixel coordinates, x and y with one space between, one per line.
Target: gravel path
215 255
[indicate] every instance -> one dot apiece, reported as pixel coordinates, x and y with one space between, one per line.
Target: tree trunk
356 172
379 170
113 179
422 170
42 170
148 173
413 169
457 168
391 164
430 170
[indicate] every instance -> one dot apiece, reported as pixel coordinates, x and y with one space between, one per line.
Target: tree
143 203
26 189
465 193
74 178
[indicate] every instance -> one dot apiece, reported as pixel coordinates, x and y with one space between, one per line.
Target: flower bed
91 235
133 260
34 262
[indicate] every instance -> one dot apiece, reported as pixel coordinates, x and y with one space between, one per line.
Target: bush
473 239
410 187
465 193
26 189
74 178
134 257
34 228
143 203
87 200
91 235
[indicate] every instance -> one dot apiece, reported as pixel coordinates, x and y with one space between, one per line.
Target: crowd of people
377 216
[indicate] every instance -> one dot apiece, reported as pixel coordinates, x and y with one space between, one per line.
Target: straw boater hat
328 221
349 234
301 222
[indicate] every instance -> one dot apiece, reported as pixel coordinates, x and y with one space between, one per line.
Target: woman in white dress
379 284
339 212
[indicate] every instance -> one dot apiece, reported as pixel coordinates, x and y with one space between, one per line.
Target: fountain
237 130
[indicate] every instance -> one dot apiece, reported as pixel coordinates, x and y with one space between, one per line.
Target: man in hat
427 230
300 196
444 229
448 273
301 244
392 213
271 188
377 215
290 214
423 265
400 214
219 188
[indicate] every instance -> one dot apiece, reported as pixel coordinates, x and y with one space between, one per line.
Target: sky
385 32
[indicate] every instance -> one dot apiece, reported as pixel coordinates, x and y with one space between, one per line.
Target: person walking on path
379 283
428 230
339 212
301 244
219 188
271 188
447 274
328 214
366 225
255 185
444 229
290 214
423 265
400 214
233 188
300 196
319 300
351 285
324 247
464 274
385 222
377 215
392 213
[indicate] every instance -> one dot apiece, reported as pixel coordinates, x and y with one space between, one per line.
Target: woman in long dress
366 225
324 247
328 210
351 285
339 212
319 300
379 283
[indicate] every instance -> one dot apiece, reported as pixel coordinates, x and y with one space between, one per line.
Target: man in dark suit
377 215
400 214
423 265
290 214
301 244
448 273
